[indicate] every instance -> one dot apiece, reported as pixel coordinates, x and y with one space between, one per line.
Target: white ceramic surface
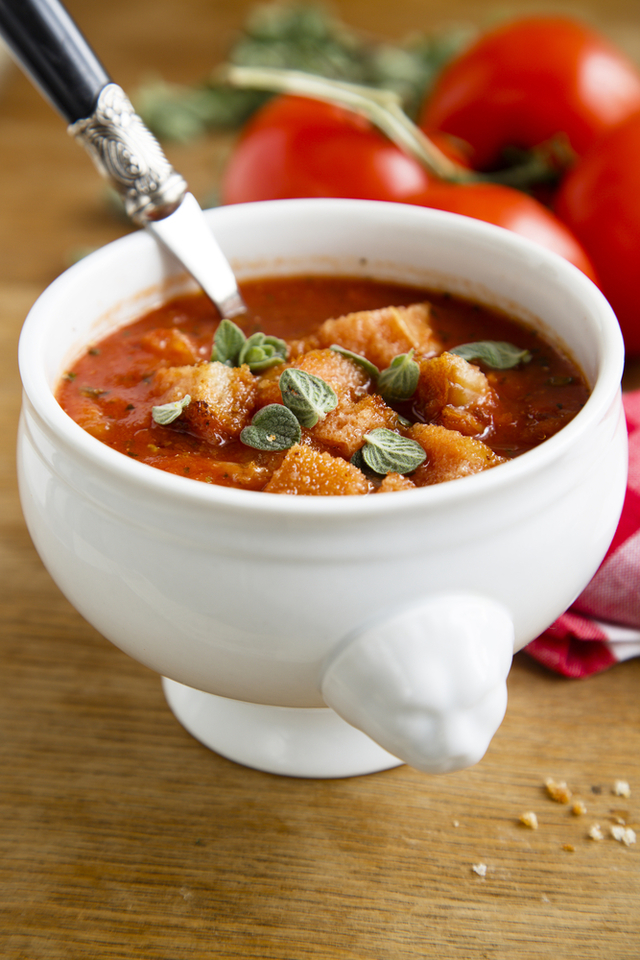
400 611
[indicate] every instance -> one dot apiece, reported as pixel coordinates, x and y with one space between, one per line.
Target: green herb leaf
366 365
387 452
496 354
400 379
260 352
272 428
168 412
308 397
228 341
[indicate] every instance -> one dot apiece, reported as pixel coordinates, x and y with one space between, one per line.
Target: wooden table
121 836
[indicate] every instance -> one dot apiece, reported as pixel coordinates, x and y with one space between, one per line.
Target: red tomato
296 147
512 210
600 202
528 80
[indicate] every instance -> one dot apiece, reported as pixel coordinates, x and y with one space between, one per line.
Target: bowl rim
180 489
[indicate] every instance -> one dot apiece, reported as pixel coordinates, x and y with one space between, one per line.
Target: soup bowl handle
427 682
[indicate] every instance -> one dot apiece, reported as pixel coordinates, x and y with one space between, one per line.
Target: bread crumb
480 869
569 847
621 788
578 808
595 832
456 823
623 834
529 819
558 790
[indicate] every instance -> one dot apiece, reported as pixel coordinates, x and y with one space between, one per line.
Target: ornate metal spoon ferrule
128 155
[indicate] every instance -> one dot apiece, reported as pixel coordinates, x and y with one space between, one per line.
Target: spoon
54 54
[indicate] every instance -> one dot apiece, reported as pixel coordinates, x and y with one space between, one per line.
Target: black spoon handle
52 51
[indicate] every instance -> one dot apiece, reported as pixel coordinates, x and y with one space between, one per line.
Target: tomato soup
326 386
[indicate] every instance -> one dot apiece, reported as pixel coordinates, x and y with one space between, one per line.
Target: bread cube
380 335
308 472
222 398
344 428
346 378
174 346
449 454
451 381
395 481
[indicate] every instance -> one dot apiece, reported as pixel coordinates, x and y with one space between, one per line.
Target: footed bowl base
309 742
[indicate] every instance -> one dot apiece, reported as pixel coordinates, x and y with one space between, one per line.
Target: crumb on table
558 790
621 789
529 819
623 834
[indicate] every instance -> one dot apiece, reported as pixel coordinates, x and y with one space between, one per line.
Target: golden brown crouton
307 472
395 481
344 428
92 419
345 377
449 454
380 335
463 420
174 346
222 398
450 381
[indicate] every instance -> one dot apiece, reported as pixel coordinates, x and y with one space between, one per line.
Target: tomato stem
383 109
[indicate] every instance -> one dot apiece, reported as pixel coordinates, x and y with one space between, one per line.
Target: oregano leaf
400 379
274 427
307 396
260 352
228 341
387 452
168 412
366 365
497 354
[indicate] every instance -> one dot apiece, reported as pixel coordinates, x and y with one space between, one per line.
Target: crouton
450 381
380 335
346 378
172 345
449 455
344 428
395 481
92 419
222 398
308 472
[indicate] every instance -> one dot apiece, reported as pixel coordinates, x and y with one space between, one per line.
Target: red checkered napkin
603 625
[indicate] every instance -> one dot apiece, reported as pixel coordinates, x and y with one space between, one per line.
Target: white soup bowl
327 636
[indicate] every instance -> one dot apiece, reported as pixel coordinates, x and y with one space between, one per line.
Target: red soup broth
110 391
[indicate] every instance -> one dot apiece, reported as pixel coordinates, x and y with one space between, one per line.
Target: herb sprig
497 354
259 351
400 380
306 37
308 397
274 427
387 452
168 412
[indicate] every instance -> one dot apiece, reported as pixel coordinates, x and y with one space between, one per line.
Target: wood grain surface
121 836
